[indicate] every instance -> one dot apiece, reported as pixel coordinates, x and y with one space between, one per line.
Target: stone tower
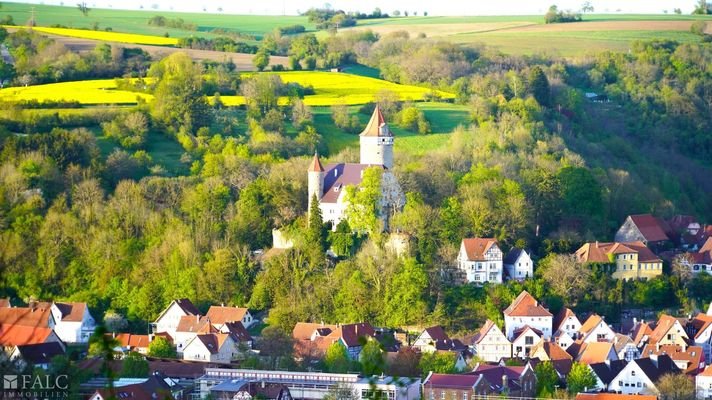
315 181
377 141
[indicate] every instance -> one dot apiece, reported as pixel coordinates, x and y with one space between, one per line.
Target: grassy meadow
330 88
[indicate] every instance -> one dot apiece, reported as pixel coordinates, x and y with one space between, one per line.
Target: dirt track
242 61
606 26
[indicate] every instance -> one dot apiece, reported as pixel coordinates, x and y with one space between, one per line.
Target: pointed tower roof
315 165
374 125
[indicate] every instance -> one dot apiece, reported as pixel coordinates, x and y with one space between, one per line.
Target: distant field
107 36
443 117
137 21
330 88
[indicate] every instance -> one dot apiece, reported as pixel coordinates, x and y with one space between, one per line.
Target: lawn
443 117
107 36
136 21
330 88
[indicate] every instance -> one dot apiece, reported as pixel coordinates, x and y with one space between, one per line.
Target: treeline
176 23
554 16
217 44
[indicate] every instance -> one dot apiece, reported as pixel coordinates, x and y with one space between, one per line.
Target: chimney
504 382
654 359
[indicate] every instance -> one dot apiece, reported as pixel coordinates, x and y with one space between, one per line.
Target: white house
703 384
170 317
525 310
428 339
639 376
524 339
518 265
625 347
566 326
221 315
480 259
605 372
211 347
189 326
490 344
701 328
595 329
73 323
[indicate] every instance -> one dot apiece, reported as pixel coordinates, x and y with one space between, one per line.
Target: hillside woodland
537 165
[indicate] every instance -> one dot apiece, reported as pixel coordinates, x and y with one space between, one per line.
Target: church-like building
329 183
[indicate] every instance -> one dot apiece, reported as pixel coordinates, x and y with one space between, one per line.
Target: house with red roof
690 359
703 383
624 260
566 327
328 184
168 320
484 380
73 322
525 310
645 228
668 331
130 342
513 381
312 340
699 329
595 329
480 260
699 261
211 347
491 344
20 335
222 315
524 339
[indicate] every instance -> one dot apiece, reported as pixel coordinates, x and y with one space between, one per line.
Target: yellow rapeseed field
329 88
100 91
107 36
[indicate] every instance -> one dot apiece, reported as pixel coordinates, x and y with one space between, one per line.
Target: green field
137 21
443 117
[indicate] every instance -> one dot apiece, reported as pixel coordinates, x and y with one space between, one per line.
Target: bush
291 29
698 27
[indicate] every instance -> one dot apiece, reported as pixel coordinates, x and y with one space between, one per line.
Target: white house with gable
595 329
73 322
211 347
490 344
525 310
170 317
480 260
703 384
639 376
518 264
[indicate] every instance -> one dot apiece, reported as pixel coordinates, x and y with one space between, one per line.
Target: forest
536 166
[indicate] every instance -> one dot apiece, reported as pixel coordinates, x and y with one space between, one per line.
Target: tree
342 239
405 363
342 391
114 321
566 276
546 379
178 99
261 92
539 86
587 7
102 344
676 387
580 379
134 365
316 233
276 344
336 359
372 358
261 59
363 211
405 302
7 73
682 267
437 362
702 8
160 347
83 8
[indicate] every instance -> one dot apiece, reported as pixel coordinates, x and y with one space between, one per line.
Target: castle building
328 183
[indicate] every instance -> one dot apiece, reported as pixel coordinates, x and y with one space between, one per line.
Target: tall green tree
316 232
405 295
580 378
441 363
178 101
363 211
372 358
160 347
134 366
546 379
539 86
336 359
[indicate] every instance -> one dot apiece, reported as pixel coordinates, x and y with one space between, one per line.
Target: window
620 383
639 385
442 395
464 396
529 340
632 373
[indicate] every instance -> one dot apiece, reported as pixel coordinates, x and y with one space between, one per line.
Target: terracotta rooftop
377 125
552 350
17 335
595 352
315 165
72 312
483 331
221 315
652 229
194 323
475 248
591 323
132 341
37 316
665 323
525 305
562 316
437 333
600 252
691 356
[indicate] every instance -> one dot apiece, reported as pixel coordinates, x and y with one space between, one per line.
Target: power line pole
31 22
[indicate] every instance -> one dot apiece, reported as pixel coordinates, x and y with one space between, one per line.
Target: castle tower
377 141
315 180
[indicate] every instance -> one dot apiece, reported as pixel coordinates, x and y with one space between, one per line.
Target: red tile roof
600 252
483 331
437 333
18 335
315 165
475 248
595 352
373 128
38 316
552 350
652 229
132 341
520 331
221 315
701 323
194 323
525 305
692 356
562 316
665 323
72 312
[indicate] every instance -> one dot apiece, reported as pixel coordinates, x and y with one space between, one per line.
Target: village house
211 347
689 359
73 322
699 329
130 342
644 228
152 388
699 261
593 352
19 335
480 260
38 355
624 260
525 310
518 265
547 350
328 184
687 233
641 333
566 326
703 384
248 390
509 381
490 344
36 315
434 339
524 339
170 317
668 331
625 347
639 376
595 329
221 315
312 340
605 372
454 386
